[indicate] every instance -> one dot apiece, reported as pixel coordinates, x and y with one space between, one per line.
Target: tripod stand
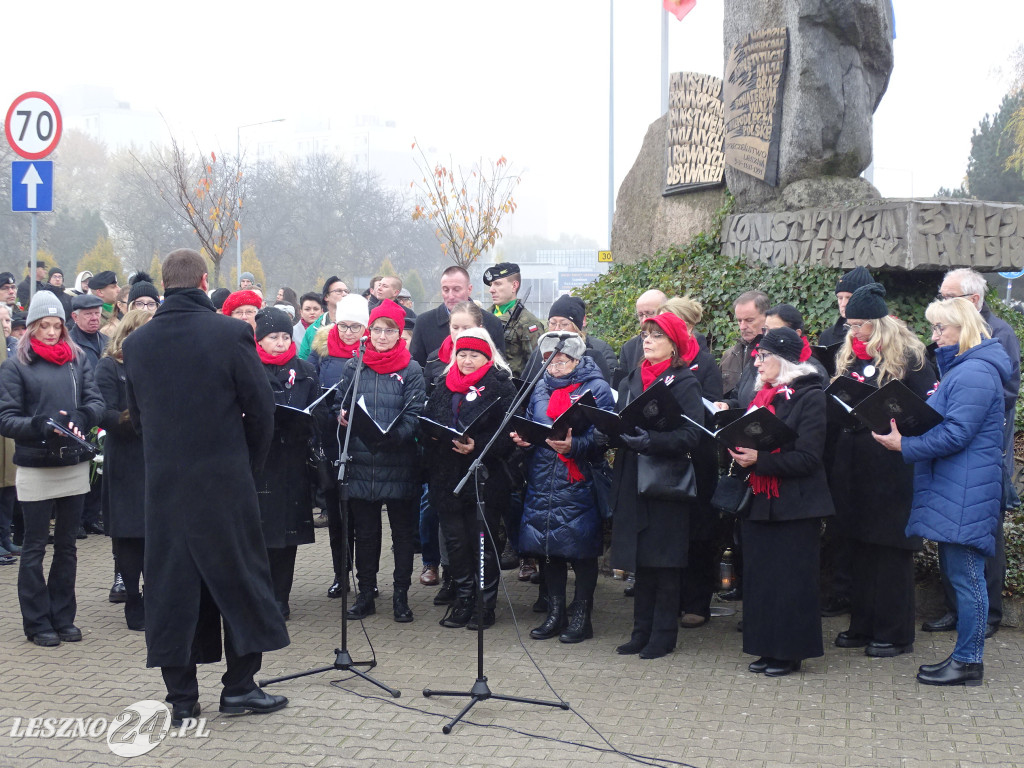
343 659
480 690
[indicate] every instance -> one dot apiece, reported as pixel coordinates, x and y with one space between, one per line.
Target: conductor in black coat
198 394
781 605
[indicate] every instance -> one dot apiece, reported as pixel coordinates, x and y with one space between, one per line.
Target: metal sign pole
32 257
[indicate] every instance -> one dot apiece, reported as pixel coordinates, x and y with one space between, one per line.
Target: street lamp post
238 159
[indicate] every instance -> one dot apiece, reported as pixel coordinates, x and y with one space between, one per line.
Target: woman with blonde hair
124 469
958 475
873 488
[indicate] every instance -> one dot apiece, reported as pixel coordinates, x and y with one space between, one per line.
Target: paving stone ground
697 707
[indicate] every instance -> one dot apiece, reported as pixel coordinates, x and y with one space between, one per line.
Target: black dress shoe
946 623
836 606
118 592
69 634
760 665
46 639
337 589
887 650
930 668
781 668
732 595
180 712
849 639
656 651
94 528
635 645
80 535
256 702
954 673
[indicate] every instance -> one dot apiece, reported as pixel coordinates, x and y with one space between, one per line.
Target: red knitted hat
388 309
475 344
675 328
240 299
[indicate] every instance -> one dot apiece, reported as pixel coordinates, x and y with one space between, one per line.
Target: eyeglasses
560 365
561 324
938 328
245 312
943 297
854 326
139 304
386 332
339 292
344 328
640 315
762 356
653 335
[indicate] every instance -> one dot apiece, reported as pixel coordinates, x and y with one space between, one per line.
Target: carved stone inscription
895 234
696 126
753 103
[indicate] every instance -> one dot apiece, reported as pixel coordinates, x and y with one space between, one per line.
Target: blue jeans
429 537
965 569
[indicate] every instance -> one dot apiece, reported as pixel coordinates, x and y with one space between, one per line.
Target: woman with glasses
243 305
568 314
958 475
333 347
650 536
143 295
781 530
561 524
476 379
391 386
872 488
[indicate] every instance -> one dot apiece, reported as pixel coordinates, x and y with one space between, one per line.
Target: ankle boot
555 621
580 628
363 606
117 591
458 614
400 603
135 612
446 593
9 546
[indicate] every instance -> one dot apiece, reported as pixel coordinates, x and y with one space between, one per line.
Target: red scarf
558 404
457 381
58 353
444 354
766 485
860 349
650 373
338 348
269 359
392 361
805 353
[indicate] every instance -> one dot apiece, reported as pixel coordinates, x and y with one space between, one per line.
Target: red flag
679 8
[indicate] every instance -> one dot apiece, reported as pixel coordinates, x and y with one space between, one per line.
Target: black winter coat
834 334
284 486
199 396
649 532
803 490
29 394
393 471
124 465
445 467
873 488
92 344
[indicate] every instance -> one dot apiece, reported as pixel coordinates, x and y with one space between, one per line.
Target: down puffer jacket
958 475
560 518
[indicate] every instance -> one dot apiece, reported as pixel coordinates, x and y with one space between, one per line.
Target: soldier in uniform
522 327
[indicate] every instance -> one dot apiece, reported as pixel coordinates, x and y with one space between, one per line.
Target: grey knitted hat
574 347
44 304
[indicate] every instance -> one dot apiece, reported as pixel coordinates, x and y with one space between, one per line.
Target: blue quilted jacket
958 472
560 518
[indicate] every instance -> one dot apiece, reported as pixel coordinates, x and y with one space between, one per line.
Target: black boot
458 614
580 628
400 603
446 593
555 621
135 612
541 606
363 606
117 592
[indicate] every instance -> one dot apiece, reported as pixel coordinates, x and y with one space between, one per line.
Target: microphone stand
481 691
343 659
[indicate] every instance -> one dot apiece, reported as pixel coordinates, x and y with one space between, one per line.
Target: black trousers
49 604
129 554
882 593
656 606
556 576
462 539
93 502
282 572
183 687
404 516
699 578
342 565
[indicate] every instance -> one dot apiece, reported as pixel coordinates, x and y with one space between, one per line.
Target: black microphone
561 335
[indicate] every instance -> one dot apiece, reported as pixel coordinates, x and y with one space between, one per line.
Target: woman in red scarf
391 390
49 378
477 384
781 532
873 515
286 504
650 537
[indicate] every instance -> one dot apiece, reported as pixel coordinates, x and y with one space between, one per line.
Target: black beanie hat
219 296
272 320
788 314
853 280
867 303
327 285
142 288
55 271
783 342
570 307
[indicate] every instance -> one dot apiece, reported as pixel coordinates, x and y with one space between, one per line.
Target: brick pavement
699 706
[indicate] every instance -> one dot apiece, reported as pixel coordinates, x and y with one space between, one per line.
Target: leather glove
639 441
600 438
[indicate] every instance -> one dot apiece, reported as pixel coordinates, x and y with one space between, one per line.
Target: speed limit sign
33 125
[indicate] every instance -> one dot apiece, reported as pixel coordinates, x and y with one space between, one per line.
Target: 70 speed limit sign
33 125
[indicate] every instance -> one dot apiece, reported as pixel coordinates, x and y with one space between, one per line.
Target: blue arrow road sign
31 186
1012 275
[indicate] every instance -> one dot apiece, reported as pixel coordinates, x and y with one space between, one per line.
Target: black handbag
665 478
732 496
601 481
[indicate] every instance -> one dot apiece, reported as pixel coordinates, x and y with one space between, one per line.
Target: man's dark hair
183 268
760 299
788 314
311 296
374 280
455 268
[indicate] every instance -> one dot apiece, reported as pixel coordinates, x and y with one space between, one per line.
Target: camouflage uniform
520 337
